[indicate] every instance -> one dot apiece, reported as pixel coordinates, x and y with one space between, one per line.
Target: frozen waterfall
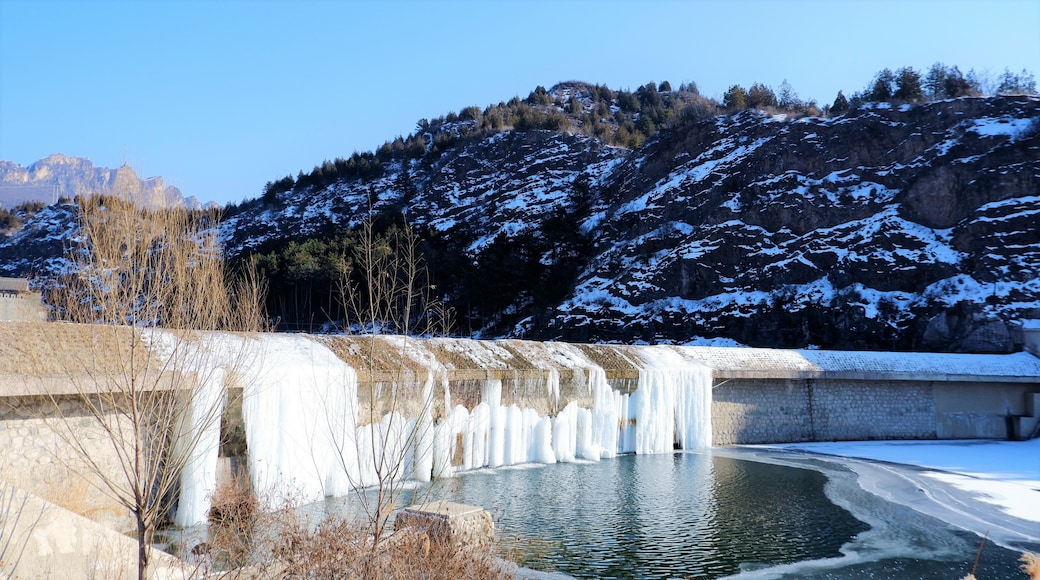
310 435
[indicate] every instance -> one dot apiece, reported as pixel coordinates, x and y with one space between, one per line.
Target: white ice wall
300 409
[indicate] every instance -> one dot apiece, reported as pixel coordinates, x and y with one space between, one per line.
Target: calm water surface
696 515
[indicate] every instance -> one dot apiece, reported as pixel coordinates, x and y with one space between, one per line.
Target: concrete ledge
56 543
462 524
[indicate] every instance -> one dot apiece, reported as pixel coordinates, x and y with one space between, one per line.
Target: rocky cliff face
845 230
58 176
906 227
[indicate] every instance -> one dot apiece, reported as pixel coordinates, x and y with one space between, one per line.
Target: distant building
19 303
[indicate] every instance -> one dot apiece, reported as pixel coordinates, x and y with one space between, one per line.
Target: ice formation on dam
307 438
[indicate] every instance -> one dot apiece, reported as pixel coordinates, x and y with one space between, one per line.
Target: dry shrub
416 555
340 548
1031 565
333 549
233 519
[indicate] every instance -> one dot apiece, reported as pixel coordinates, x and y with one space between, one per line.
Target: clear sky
221 96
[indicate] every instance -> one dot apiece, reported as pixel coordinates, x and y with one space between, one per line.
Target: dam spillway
323 416
311 413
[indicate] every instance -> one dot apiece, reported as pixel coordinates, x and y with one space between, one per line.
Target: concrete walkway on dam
765 363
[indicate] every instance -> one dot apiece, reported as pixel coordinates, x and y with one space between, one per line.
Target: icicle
586 446
541 440
301 412
300 409
199 479
515 437
496 436
476 437
491 394
198 432
565 432
424 434
552 384
606 414
672 403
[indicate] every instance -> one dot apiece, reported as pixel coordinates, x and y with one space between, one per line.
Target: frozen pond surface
754 513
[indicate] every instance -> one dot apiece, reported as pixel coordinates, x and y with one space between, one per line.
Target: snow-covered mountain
891 226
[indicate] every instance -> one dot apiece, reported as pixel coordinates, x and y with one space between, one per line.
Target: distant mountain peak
59 175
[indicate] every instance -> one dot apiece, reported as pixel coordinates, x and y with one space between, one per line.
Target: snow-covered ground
1003 473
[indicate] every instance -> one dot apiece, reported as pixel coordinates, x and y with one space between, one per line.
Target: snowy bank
1003 473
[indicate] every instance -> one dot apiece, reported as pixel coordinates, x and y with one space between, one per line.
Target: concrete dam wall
314 415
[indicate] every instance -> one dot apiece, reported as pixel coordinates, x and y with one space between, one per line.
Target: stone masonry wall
748 411
753 411
36 457
861 410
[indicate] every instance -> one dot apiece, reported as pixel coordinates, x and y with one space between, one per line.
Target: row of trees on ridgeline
626 118
13 219
305 273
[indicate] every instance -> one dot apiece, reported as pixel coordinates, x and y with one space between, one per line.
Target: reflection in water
702 516
685 514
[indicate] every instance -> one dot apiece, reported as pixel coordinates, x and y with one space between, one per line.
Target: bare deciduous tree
16 523
151 283
388 291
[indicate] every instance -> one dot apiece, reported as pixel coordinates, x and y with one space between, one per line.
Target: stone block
462 524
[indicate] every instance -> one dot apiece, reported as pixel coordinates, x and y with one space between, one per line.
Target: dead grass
373 355
234 515
611 359
1031 565
339 548
48 348
78 496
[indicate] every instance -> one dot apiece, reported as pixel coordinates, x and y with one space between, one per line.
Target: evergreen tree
787 98
735 98
760 96
539 96
935 81
841 104
471 114
574 106
882 87
690 87
908 85
628 102
648 95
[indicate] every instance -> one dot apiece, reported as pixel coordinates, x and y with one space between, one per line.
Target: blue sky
219 97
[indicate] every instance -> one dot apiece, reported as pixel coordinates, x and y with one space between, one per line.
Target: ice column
424 434
208 358
606 414
671 405
198 481
300 408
